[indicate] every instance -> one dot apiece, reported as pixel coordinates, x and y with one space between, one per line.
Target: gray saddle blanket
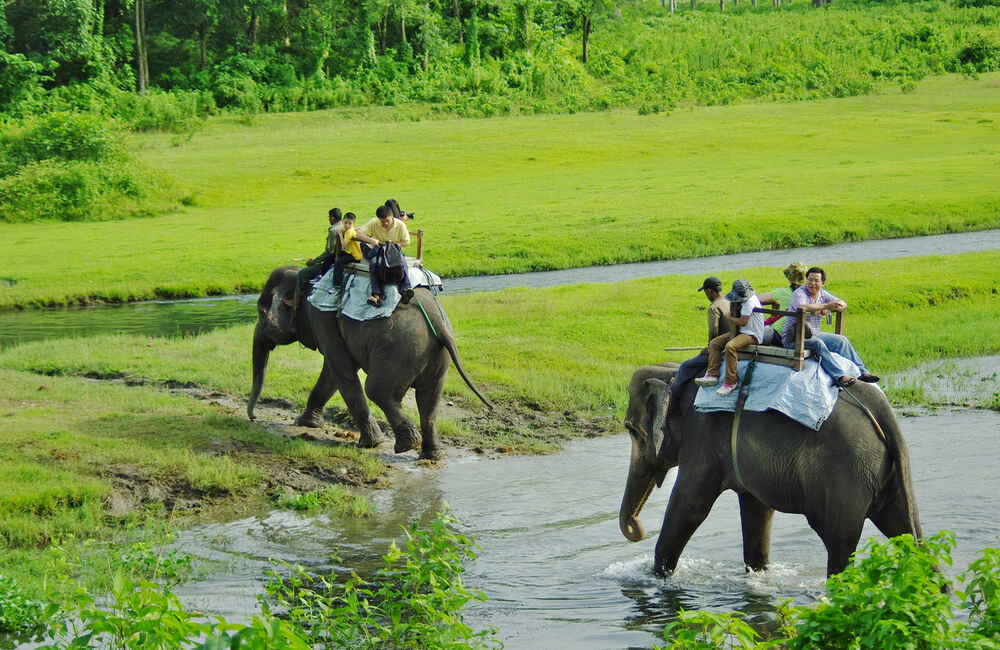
807 396
352 299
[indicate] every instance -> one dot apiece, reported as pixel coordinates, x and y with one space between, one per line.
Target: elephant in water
396 353
836 477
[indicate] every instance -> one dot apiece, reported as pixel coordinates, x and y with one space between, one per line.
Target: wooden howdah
791 357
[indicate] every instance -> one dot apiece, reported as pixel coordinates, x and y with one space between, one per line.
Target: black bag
391 263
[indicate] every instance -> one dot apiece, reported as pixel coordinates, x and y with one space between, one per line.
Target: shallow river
182 317
555 567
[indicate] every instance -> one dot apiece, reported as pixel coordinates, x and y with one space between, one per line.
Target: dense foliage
474 57
71 167
892 596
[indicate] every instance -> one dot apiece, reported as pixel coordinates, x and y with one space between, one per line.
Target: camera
409 215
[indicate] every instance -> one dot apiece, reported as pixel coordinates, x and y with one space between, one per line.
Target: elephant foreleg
690 503
326 385
755 519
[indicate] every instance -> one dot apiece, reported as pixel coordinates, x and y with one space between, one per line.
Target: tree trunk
818 3
673 7
458 17
252 29
203 45
141 59
722 5
586 36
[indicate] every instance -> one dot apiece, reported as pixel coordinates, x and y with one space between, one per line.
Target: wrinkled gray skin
396 353
836 477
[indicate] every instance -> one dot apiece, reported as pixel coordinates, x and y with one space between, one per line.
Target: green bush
63 136
893 595
414 601
18 613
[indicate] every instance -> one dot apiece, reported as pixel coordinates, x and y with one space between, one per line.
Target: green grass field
532 193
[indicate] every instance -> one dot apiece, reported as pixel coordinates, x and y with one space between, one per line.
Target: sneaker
707 380
869 378
725 389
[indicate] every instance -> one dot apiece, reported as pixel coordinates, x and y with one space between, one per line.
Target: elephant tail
886 419
443 334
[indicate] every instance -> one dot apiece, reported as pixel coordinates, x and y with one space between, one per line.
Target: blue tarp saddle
352 299
807 396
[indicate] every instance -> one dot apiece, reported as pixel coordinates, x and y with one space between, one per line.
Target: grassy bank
531 193
104 424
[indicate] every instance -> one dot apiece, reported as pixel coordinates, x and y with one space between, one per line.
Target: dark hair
816 269
335 214
393 205
350 215
383 211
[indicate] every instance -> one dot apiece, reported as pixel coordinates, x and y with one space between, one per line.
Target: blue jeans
823 343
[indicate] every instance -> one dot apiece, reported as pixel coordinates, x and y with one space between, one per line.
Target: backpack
391 263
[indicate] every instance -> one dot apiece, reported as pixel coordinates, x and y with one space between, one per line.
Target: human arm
827 302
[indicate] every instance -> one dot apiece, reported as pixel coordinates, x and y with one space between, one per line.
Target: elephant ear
655 411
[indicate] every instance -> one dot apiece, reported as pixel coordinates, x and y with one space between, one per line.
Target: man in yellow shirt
388 230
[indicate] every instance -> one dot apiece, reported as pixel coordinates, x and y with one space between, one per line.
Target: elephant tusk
643 499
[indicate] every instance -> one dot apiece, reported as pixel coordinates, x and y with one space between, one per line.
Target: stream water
555 567
183 317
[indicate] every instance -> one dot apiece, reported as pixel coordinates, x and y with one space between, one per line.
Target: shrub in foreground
893 595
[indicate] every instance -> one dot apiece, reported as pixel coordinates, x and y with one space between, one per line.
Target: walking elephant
836 477
411 348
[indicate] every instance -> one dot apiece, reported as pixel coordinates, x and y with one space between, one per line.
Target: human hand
310 261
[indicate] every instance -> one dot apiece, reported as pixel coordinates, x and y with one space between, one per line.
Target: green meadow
532 192
567 351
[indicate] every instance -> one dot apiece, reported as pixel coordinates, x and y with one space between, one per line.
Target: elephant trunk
638 487
262 347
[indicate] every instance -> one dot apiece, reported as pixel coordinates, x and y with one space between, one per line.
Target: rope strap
740 401
427 318
867 411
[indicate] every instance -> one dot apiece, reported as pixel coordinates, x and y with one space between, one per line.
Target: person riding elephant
815 301
410 348
718 323
855 466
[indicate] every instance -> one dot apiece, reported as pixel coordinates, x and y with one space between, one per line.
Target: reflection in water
184 317
553 563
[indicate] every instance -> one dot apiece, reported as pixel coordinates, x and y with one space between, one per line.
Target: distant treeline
162 63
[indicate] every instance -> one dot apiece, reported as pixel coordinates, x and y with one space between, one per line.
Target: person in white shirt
751 324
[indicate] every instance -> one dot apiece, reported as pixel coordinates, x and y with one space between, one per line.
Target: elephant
411 348
836 477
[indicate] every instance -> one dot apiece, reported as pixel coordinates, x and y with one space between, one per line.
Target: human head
349 220
393 205
741 291
334 215
795 273
712 286
384 215
816 269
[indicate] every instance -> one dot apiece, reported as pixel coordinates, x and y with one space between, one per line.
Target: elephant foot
430 454
371 434
310 419
405 441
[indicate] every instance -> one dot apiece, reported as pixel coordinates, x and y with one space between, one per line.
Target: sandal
846 381
375 301
869 378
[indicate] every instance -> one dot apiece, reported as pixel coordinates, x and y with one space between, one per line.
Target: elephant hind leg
893 519
428 399
391 405
841 540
